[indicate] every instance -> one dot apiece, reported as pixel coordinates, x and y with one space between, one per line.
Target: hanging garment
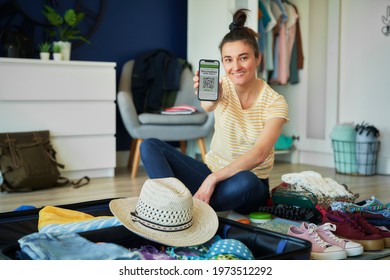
268 55
290 33
279 75
154 73
298 40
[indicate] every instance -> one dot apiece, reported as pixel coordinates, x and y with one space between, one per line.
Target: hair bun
233 26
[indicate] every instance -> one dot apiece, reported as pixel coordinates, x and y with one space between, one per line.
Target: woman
249 117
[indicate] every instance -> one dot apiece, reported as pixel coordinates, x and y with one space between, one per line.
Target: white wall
208 22
364 69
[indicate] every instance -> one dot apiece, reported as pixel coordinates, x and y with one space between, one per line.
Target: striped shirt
236 130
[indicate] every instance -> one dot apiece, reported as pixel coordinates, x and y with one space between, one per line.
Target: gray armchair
165 127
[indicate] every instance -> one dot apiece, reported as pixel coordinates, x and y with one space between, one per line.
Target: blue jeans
71 246
244 192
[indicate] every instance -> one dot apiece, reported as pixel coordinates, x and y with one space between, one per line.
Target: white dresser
74 100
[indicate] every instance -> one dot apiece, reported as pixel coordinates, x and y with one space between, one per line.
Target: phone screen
208 79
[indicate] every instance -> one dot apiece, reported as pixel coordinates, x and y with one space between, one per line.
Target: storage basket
355 158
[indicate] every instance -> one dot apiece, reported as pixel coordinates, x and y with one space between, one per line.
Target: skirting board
92 173
327 160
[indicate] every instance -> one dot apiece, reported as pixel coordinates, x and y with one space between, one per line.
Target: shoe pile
374 211
325 245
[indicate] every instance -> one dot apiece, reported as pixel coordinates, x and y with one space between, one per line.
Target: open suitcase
264 244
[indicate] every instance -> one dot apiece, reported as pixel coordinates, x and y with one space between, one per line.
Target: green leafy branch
65 27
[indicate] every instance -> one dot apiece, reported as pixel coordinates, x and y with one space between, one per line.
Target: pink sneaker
325 232
320 249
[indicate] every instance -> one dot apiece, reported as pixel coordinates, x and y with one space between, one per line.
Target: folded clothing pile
326 190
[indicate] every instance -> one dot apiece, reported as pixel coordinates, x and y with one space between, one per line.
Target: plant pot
367 147
343 141
57 56
65 49
44 55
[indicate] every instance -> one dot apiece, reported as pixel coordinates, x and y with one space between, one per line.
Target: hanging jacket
154 73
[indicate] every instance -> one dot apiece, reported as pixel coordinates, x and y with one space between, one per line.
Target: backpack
28 162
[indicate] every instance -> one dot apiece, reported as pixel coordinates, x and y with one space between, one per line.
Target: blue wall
127 28
130 27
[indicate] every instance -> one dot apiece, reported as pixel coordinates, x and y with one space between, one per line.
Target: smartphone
208 80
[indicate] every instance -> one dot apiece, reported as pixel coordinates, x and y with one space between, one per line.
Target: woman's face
239 62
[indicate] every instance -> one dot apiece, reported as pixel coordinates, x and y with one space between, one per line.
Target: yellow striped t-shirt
236 130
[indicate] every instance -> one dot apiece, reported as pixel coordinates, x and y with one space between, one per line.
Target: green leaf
80 17
44 47
52 16
70 17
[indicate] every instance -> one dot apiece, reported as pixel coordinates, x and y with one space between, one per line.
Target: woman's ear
258 59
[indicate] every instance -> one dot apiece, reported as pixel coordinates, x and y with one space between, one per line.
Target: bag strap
11 145
81 182
63 181
51 152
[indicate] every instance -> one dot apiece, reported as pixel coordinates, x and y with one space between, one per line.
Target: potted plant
64 28
44 50
57 52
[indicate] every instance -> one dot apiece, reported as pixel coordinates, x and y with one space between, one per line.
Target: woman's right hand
196 82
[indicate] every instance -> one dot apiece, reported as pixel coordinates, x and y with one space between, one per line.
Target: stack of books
179 110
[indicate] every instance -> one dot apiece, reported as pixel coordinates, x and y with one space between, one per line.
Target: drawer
85 152
61 118
31 79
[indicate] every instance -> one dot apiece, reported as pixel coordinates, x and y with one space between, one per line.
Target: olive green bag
28 162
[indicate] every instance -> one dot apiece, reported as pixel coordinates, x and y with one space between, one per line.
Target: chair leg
202 148
136 159
183 146
131 153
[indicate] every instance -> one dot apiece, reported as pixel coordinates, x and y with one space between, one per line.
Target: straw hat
167 213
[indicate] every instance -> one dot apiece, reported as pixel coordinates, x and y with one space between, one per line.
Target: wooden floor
124 186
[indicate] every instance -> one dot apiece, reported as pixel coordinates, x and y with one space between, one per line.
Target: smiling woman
249 116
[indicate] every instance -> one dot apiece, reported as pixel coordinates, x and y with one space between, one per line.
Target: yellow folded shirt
55 215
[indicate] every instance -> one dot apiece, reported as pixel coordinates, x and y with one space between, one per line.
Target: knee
252 184
147 144
247 178
256 192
